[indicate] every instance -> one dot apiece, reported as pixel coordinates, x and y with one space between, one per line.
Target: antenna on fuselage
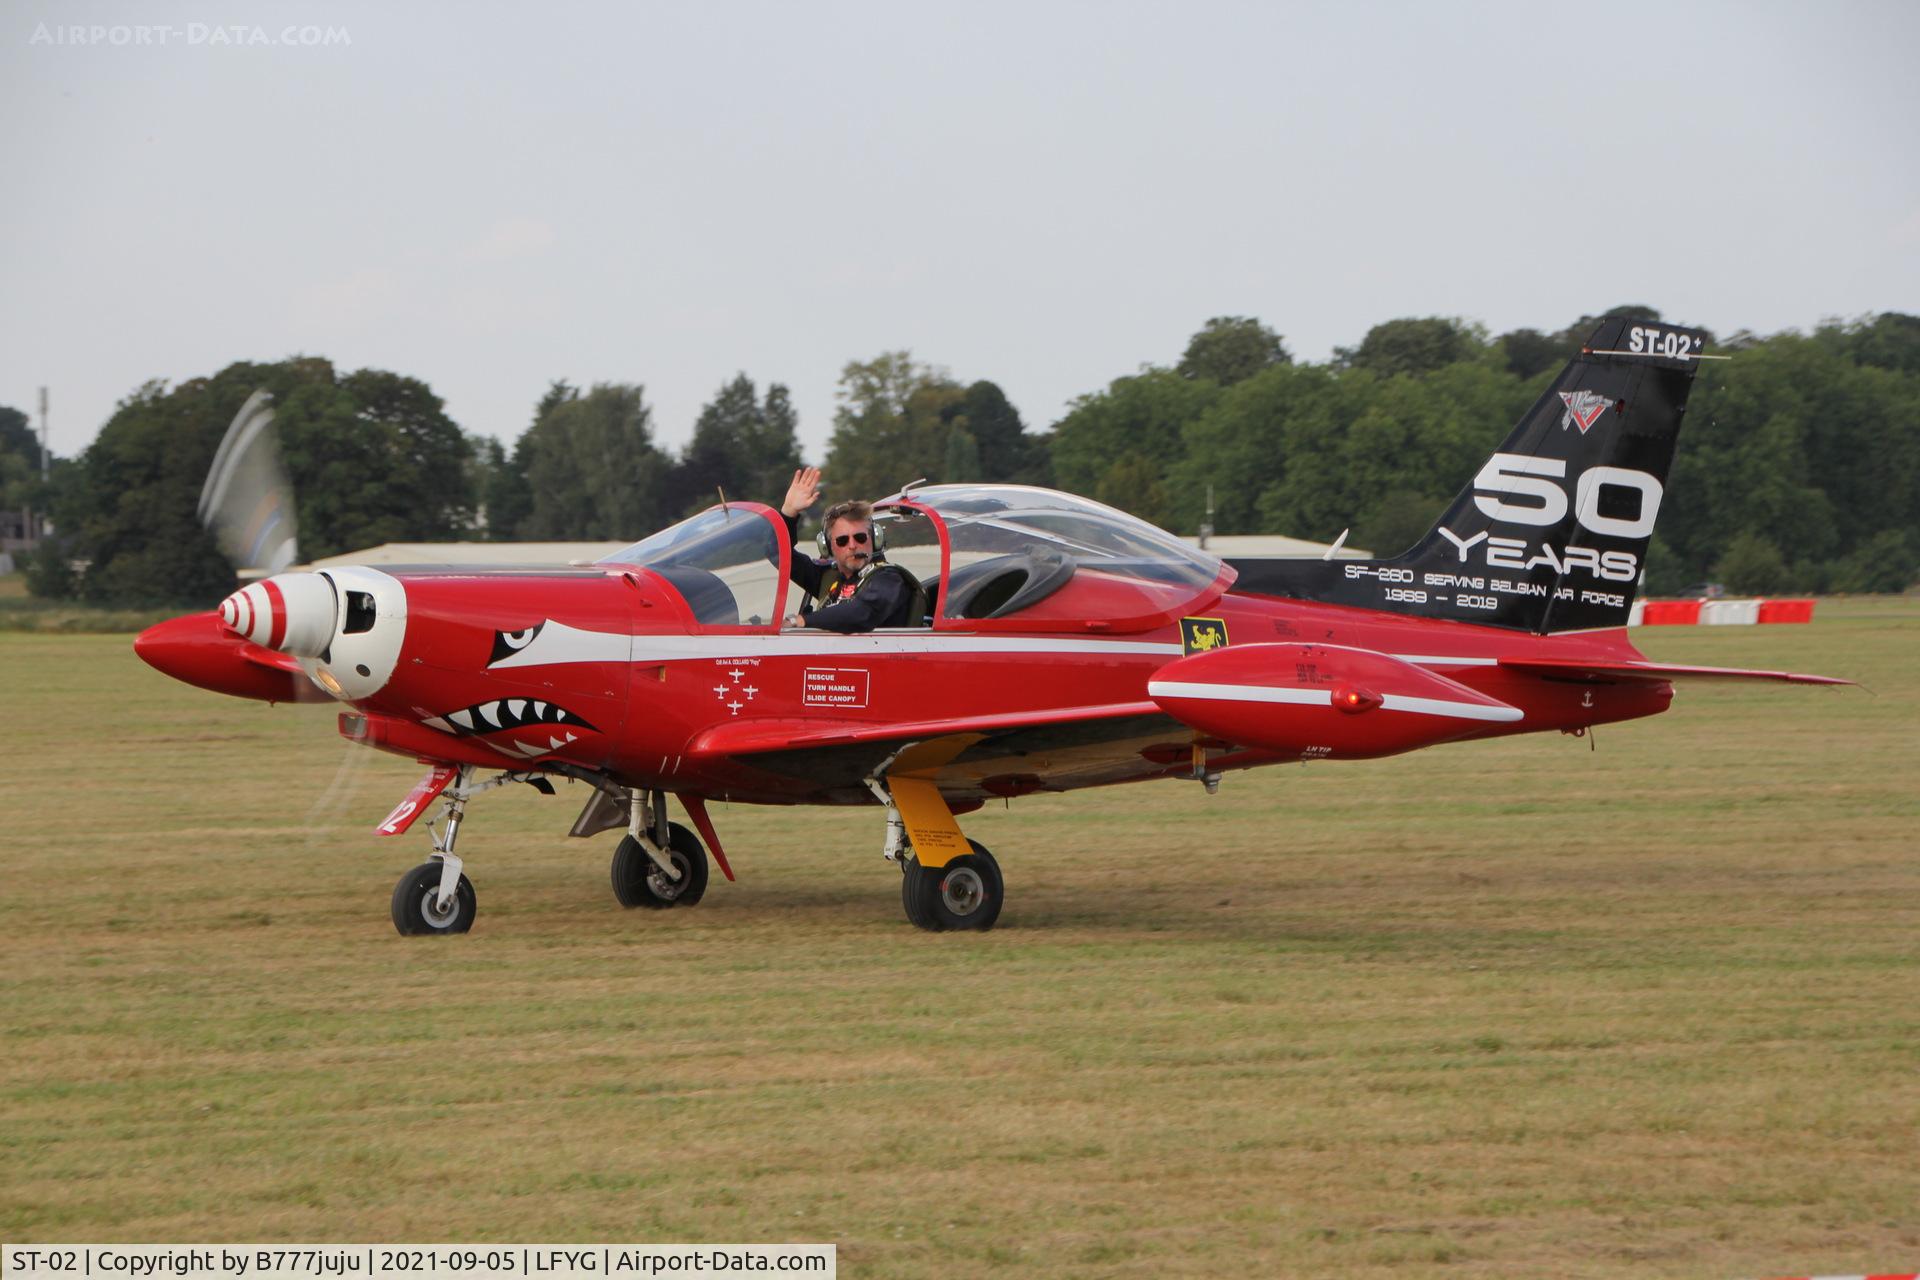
1338 543
722 491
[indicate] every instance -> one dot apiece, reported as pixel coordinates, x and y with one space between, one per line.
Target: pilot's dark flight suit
884 595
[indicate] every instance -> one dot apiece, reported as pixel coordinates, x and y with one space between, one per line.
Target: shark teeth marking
505 714
521 751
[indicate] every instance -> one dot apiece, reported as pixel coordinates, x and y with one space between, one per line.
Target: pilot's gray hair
852 509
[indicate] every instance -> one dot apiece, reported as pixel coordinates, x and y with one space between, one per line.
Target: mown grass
1509 1008
21 611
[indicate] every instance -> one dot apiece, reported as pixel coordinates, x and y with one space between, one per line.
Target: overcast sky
1044 194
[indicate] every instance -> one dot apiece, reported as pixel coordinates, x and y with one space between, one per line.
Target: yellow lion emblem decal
1202 635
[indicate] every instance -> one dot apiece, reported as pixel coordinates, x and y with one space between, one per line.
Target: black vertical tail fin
1552 534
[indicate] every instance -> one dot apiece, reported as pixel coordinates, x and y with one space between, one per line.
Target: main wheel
967 893
416 903
639 882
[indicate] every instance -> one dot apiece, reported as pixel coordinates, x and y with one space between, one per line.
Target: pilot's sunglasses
845 538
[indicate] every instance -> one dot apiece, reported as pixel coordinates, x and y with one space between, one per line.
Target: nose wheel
420 908
436 898
965 894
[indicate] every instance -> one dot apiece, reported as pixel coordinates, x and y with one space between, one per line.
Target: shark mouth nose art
549 726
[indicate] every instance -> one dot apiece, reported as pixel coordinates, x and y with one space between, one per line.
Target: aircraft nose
291 612
202 650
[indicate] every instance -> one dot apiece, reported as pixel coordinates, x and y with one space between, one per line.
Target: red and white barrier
1786 611
1717 613
1729 613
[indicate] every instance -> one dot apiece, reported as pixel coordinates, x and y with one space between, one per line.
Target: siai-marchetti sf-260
1067 645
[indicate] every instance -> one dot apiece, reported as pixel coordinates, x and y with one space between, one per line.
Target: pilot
855 589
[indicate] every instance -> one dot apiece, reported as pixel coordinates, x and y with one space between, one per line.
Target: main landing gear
940 887
946 880
659 864
966 893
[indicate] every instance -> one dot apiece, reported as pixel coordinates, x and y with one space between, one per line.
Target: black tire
967 893
415 913
911 894
638 882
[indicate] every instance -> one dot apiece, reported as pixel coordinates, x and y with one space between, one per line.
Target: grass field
20 611
1502 1009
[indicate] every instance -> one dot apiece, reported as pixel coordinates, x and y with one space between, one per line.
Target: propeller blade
247 502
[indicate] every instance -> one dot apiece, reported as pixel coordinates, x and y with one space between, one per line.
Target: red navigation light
1353 700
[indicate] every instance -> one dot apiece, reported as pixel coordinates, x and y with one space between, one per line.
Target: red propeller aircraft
1069 645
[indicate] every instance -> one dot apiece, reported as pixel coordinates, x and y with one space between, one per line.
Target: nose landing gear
419 908
436 898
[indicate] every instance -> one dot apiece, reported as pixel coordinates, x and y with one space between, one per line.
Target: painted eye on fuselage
508 643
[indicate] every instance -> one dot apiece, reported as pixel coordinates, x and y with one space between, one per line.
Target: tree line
1798 469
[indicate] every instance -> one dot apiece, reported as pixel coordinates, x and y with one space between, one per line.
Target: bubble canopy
993 557
1018 557
725 562
1000 518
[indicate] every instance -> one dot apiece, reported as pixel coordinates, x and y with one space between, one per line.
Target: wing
970 758
1618 669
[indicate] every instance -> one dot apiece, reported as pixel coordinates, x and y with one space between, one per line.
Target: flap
746 737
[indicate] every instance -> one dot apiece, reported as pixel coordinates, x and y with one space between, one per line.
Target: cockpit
726 563
992 557
1038 559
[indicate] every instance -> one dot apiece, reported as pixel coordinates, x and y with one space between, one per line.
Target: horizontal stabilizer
1612 669
1321 701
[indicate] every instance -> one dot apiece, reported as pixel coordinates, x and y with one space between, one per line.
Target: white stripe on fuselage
1324 698
559 644
1238 693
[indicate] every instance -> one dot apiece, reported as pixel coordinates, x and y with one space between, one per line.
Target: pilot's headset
879 539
